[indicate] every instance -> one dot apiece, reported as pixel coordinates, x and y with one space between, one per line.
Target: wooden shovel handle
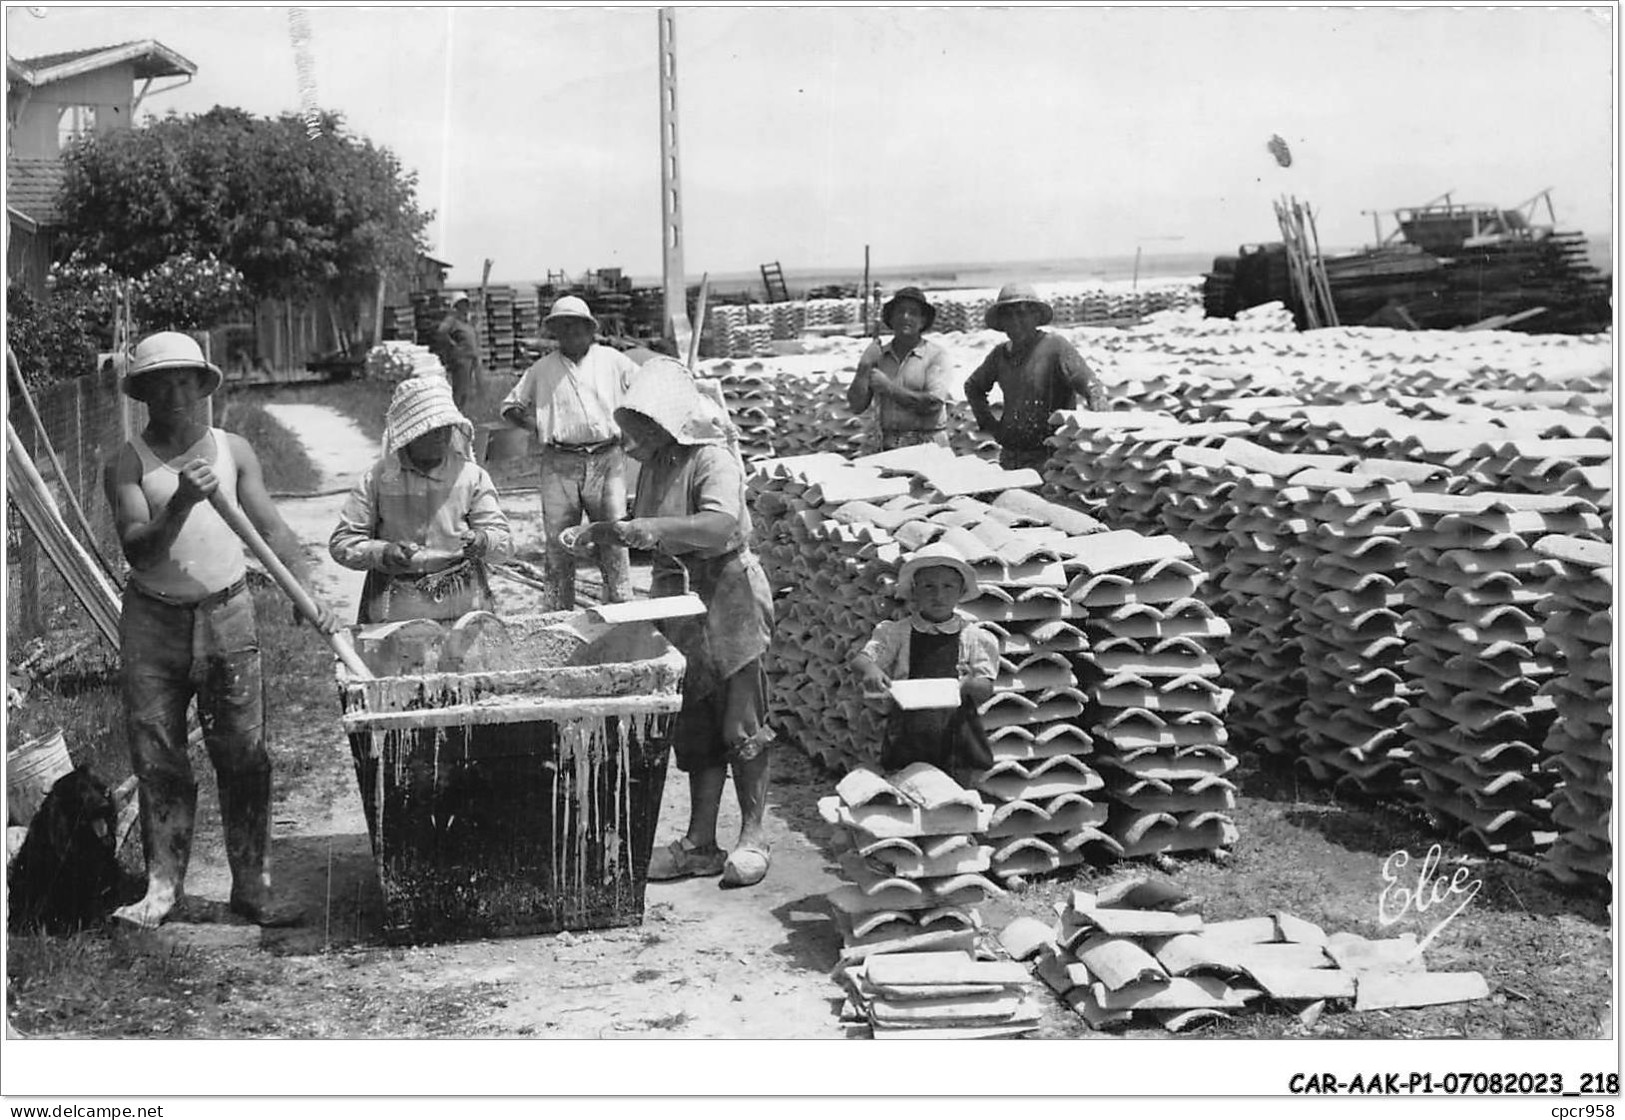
244 528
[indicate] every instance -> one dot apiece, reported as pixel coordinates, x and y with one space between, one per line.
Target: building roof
32 186
152 60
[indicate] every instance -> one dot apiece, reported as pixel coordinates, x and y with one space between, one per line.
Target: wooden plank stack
1577 620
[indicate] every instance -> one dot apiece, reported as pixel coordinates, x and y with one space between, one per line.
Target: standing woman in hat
424 521
691 510
458 348
912 377
568 399
1036 371
187 628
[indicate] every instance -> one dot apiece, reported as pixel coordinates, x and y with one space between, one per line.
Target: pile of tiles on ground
1346 565
1119 463
1157 702
1025 552
1479 722
913 864
753 340
1577 617
750 401
832 534
1138 953
810 417
720 324
1531 466
832 581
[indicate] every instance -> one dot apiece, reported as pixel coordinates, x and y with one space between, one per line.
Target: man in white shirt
568 399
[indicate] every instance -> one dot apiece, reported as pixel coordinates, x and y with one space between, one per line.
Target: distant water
941 277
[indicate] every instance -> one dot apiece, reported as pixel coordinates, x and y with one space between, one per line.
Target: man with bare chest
187 628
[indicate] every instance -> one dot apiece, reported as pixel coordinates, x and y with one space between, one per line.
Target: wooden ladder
773 281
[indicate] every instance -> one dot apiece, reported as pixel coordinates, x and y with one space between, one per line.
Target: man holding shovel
910 377
187 627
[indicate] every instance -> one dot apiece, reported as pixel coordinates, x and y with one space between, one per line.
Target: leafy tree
301 213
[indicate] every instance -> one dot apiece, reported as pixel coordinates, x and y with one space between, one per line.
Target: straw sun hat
166 350
421 404
1012 295
937 555
667 393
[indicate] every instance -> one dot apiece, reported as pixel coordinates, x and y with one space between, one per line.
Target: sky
932 135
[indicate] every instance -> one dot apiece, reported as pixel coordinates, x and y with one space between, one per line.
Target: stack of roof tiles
751 340
750 401
1577 619
720 324
1025 552
1480 719
1139 954
1531 466
787 318
1346 566
832 535
810 417
1158 704
913 865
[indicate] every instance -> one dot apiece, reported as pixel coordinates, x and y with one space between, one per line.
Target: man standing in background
568 399
458 348
1036 371
910 376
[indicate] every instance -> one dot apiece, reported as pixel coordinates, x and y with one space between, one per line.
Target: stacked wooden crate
527 324
498 337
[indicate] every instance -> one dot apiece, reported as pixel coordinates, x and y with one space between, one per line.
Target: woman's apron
443 596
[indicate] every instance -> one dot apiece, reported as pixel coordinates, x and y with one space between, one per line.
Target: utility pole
675 321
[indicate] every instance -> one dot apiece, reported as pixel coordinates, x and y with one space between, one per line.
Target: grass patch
283 461
131 985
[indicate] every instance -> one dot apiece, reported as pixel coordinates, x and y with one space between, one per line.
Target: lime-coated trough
511 774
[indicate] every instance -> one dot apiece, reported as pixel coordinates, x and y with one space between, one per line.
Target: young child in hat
933 640
424 521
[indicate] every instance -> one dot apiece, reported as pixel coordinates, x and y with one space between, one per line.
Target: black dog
66 872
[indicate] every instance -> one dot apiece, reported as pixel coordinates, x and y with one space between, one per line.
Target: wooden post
868 323
675 324
378 308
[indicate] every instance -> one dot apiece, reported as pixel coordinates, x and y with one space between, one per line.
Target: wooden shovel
244 528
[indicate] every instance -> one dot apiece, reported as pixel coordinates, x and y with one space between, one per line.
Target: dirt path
706 963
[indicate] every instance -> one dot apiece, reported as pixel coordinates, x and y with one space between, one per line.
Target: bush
188 293
53 340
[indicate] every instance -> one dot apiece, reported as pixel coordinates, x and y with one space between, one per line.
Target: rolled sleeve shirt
398 502
574 402
1046 376
925 368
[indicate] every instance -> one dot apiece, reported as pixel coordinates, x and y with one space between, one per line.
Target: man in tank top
187 628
